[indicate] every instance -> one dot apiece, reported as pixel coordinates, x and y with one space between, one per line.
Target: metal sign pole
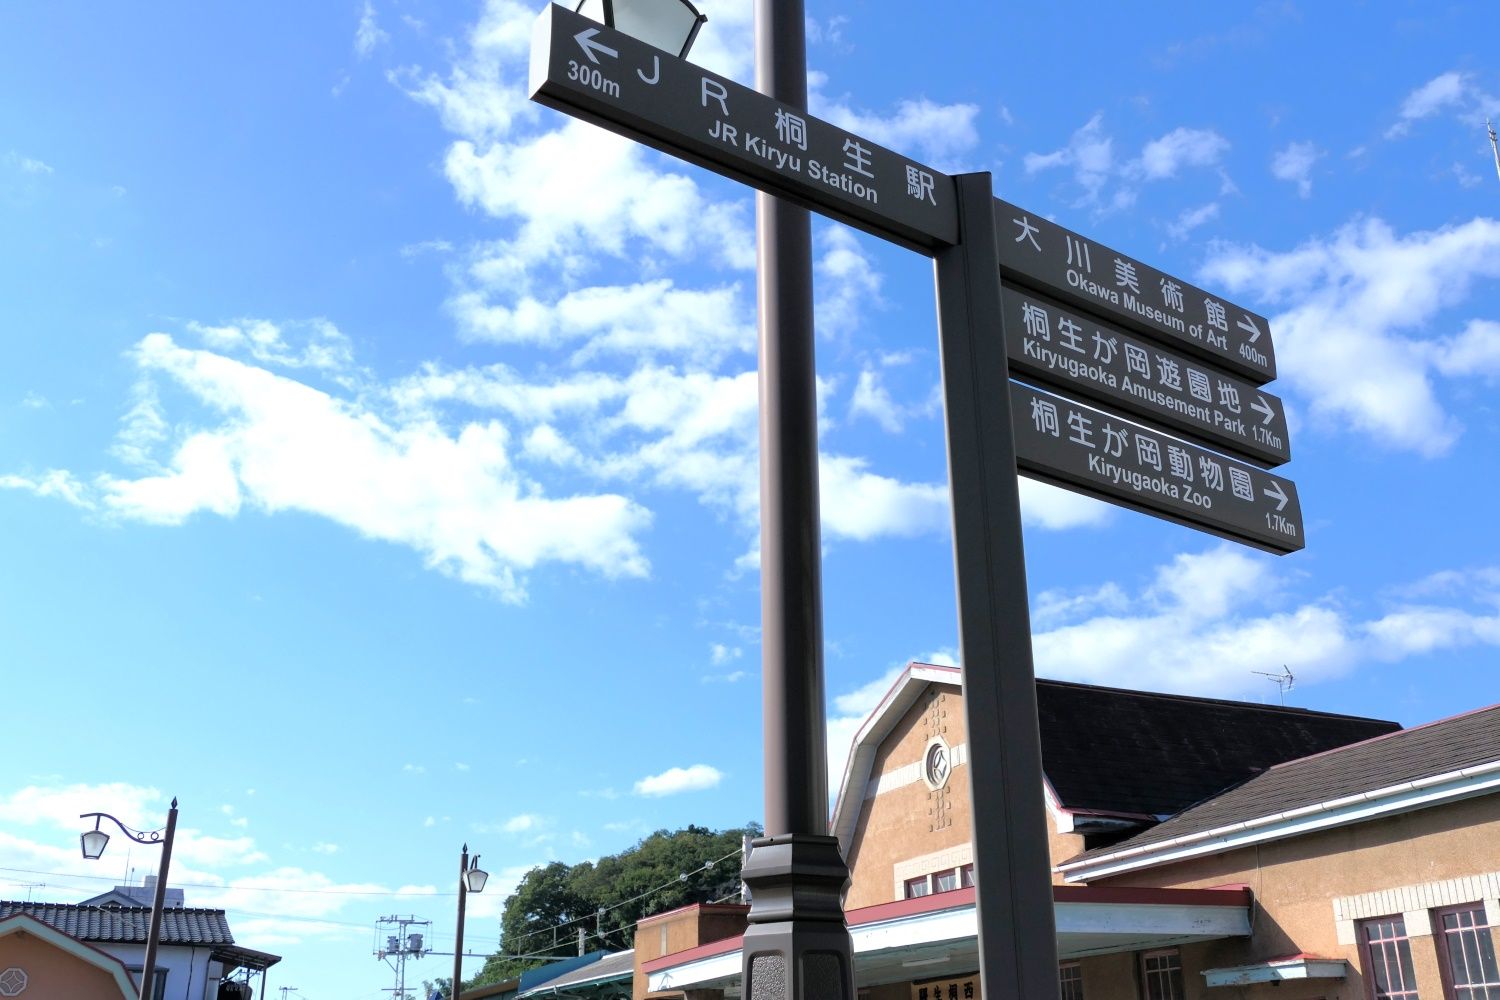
1017 939
797 945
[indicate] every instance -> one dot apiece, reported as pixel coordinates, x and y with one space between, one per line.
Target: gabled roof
1113 752
1442 761
127 924
19 923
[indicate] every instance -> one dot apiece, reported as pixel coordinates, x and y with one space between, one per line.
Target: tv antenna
1284 681
1494 145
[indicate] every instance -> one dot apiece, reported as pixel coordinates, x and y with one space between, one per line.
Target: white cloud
640 320
58 484
1355 332
25 164
846 282
1089 152
720 654
1162 157
1452 90
323 847
521 824
1056 509
283 445
322 345
580 187
925 130
862 505
1473 351
413 769
871 400
675 780
369 34
1191 219
1294 164
1208 620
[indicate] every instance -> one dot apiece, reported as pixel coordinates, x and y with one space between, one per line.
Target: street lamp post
471 878
93 843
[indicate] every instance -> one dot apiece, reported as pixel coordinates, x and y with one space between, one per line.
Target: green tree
664 871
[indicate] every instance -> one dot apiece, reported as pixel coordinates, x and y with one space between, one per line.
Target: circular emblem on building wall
937 763
12 982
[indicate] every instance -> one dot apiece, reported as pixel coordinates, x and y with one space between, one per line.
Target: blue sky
377 449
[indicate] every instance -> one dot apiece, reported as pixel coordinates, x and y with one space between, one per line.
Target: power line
706 866
239 888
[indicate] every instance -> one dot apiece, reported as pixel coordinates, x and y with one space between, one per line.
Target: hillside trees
666 870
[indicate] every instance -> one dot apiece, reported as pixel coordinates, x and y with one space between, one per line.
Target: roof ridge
1386 736
1203 699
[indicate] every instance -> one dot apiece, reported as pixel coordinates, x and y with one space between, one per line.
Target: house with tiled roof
197 954
1201 848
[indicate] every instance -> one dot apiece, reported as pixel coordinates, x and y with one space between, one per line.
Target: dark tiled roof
1134 752
127 924
1389 761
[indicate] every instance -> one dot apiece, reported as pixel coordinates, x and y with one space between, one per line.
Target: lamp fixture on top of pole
670 25
93 843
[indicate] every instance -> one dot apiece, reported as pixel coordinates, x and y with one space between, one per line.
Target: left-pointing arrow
1279 496
586 42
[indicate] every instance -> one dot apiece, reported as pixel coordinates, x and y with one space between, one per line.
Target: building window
1162 971
1388 958
1070 981
158 979
944 881
1468 946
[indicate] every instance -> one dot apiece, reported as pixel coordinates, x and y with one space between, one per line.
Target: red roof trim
709 950
960 898
702 907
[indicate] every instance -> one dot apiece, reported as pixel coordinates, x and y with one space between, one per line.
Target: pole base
797 945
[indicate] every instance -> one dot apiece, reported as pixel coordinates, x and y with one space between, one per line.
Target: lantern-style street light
670 25
93 843
471 878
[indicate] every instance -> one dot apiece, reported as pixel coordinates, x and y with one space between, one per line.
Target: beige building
1201 849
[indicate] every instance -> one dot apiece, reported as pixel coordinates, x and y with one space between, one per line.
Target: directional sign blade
606 77
1081 356
1060 263
1080 448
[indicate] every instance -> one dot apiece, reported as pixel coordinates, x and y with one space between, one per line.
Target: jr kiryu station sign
590 72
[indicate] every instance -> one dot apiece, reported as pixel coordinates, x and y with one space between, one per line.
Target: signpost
1083 320
1081 356
1103 455
627 86
1060 263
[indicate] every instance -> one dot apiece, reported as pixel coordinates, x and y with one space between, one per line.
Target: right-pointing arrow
1279 496
1248 325
586 42
1261 406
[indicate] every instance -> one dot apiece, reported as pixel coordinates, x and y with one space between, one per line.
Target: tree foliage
666 870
